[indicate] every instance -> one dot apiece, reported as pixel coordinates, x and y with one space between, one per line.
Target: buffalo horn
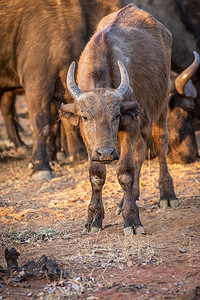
123 87
185 76
71 84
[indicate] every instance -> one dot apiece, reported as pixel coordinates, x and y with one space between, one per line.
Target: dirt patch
47 218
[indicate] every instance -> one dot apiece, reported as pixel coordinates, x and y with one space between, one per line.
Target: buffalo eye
84 118
117 117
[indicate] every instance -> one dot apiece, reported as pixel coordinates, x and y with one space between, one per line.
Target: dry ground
48 217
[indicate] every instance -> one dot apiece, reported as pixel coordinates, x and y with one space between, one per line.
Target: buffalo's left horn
123 87
71 84
185 76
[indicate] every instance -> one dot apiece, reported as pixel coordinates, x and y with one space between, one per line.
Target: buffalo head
183 91
99 112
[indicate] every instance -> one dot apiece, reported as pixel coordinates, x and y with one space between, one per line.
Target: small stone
79 278
30 165
30 294
183 250
40 294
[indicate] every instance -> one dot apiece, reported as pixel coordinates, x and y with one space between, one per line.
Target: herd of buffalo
137 87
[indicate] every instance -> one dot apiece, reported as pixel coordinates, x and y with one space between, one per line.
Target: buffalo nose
107 154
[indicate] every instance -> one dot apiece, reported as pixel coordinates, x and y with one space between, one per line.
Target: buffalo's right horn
185 76
123 87
71 84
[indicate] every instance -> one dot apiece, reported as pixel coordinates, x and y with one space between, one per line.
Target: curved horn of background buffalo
123 87
71 84
185 76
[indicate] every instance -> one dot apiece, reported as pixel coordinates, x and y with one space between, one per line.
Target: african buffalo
38 40
107 108
182 139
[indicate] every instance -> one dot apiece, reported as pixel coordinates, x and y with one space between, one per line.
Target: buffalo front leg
125 174
97 174
40 119
139 158
160 137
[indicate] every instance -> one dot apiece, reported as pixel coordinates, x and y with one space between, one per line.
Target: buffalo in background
38 41
182 140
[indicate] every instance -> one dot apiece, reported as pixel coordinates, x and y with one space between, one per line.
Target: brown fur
143 45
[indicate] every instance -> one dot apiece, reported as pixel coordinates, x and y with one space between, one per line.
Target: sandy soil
48 217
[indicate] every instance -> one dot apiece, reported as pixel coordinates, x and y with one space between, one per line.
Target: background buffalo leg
160 137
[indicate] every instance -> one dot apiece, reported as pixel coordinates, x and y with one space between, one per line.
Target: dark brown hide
38 41
183 20
143 45
182 140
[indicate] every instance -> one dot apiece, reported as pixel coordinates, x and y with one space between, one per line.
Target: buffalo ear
190 90
129 111
69 111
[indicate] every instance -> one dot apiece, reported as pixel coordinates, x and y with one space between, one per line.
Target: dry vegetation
48 217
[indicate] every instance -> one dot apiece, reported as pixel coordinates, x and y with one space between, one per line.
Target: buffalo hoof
85 230
128 231
118 211
60 155
163 204
139 230
96 229
41 175
22 149
174 203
